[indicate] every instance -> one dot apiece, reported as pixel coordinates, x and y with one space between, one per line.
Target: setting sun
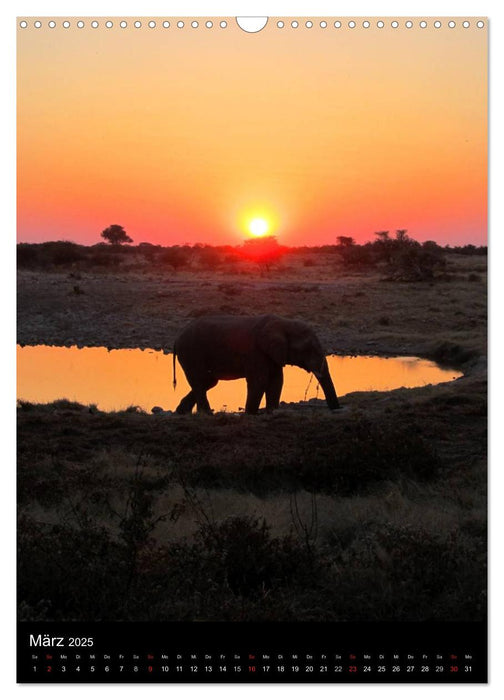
236 158
258 227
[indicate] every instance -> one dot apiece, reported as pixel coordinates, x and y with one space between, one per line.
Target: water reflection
116 379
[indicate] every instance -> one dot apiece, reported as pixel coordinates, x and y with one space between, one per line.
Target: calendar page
251 360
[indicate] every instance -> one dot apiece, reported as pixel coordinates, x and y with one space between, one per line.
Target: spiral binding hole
280 24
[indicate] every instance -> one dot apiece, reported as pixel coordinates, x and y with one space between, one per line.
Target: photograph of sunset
252 334
157 129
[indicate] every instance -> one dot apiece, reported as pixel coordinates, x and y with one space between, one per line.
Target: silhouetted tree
175 256
27 255
401 235
416 264
358 257
264 251
116 235
345 241
432 246
383 246
209 258
410 261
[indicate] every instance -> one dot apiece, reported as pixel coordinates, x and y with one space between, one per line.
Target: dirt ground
352 313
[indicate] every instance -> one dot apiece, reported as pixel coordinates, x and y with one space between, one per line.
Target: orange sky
177 134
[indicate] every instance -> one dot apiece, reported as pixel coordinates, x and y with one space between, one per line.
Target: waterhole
117 379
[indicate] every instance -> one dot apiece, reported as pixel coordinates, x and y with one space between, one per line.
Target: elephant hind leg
197 397
186 405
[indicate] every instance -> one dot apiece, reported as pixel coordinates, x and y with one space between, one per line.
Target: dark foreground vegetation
383 504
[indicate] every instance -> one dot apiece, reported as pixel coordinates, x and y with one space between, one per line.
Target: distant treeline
400 257
56 254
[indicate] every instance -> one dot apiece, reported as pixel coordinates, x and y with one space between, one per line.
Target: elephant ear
272 340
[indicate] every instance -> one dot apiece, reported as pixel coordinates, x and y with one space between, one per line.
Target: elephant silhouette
257 348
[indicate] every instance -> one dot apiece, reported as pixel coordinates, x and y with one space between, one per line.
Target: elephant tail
174 370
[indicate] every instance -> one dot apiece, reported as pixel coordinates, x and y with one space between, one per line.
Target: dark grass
237 571
315 450
89 484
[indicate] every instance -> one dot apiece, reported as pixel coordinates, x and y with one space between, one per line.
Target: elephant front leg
255 392
202 403
274 389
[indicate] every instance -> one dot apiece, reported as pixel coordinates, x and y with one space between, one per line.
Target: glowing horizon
327 132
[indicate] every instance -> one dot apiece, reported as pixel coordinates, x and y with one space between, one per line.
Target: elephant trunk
327 385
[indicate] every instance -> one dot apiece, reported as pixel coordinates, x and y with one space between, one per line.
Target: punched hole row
223 24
